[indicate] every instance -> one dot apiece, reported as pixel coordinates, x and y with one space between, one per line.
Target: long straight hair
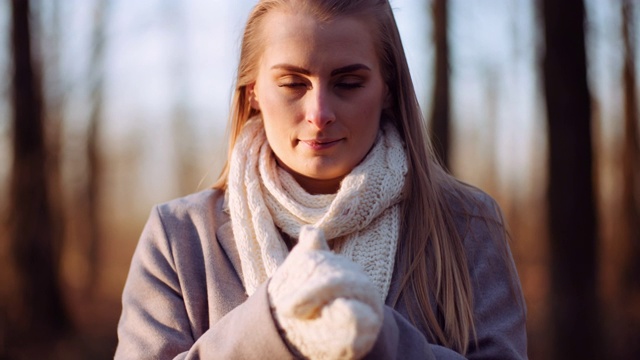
430 250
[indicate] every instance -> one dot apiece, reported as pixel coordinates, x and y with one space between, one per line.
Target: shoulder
188 233
187 222
193 206
467 201
474 212
479 221
204 209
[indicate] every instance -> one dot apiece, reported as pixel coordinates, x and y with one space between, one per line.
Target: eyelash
292 85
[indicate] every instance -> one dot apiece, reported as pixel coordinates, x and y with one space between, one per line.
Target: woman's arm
399 339
247 332
499 308
161 321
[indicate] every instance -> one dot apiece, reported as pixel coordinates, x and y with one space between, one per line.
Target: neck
317 186
311 185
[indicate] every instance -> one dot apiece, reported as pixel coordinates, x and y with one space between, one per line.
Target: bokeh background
120 105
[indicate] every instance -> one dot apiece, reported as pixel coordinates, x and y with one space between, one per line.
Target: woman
332 231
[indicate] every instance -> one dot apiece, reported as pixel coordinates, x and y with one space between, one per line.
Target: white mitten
325 303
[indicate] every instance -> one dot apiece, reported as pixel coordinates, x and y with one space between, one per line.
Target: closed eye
349 86
349 81
292 82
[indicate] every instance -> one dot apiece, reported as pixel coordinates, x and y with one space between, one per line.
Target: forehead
302 39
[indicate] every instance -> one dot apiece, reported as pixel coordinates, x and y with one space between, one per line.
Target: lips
320 144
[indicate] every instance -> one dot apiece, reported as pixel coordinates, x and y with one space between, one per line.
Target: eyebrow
342 70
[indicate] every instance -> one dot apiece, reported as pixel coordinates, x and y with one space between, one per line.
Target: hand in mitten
325 303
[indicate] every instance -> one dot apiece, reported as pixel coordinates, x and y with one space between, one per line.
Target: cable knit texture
326 305
361 219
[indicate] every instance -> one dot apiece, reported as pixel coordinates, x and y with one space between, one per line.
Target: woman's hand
325 303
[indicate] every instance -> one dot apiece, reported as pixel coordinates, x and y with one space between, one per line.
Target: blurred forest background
110 106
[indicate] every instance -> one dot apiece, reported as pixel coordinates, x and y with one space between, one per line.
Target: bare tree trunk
631 185
573 229
93 154
35 248
631 155
440 116
54 99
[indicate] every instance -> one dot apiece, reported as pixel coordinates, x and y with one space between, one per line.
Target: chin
319 176
324 173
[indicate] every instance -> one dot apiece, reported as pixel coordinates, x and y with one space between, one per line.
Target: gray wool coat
184 298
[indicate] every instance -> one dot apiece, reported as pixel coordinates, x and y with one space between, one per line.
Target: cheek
368 113
367 124
278 132
369 132
274 105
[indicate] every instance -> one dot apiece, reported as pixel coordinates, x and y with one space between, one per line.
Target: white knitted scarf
361 219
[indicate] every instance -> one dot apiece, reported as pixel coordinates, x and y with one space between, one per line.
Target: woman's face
320 90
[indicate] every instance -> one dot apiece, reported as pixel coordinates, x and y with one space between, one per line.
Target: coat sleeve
399 339
247 332
499 309
157 324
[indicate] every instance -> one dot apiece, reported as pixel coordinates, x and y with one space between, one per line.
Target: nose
319 111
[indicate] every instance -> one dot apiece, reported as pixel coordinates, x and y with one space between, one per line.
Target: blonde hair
430 248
